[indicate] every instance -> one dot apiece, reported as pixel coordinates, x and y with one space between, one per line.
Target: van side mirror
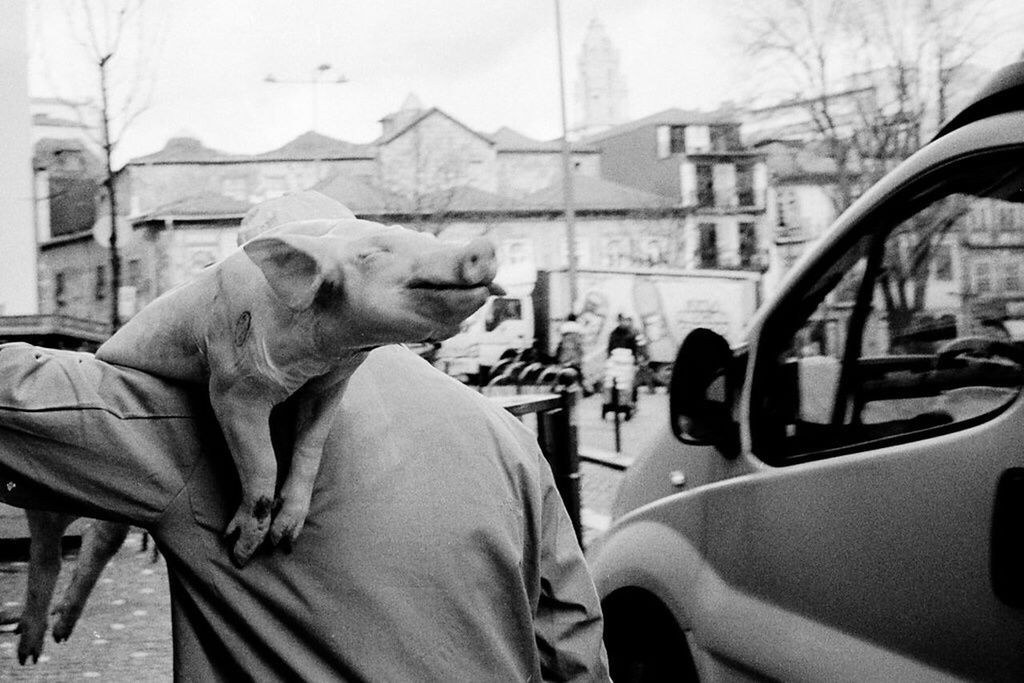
700 393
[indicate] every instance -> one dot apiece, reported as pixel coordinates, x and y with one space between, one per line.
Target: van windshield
503 308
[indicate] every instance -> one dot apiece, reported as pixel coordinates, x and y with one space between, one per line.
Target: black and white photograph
487 340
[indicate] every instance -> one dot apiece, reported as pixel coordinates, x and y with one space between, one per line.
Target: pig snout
478 263
458 267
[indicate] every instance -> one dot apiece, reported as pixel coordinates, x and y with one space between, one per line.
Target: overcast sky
488 63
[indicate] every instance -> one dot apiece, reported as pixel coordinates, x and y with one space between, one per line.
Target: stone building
186 167
800 205
175 241
427 170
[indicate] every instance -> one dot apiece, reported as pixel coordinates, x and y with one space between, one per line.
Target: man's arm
81 436
568 626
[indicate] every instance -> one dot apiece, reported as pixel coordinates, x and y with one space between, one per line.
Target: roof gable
433 111
313 146
185 150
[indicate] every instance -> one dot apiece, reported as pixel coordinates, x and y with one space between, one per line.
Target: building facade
184 204
696 160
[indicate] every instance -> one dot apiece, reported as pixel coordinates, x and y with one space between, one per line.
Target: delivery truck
663 304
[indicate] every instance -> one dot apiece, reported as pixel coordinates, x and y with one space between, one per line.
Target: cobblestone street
124 633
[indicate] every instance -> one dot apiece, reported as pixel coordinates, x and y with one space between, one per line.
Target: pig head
361 284
294 311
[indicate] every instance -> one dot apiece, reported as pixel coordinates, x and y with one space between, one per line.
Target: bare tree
433 174
113 44
873 77
802 44
438 174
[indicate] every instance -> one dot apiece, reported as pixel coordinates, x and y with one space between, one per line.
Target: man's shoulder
401 379
405 375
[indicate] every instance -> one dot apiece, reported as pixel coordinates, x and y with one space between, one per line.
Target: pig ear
291 265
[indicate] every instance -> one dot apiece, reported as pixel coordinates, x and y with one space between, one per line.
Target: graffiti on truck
663 309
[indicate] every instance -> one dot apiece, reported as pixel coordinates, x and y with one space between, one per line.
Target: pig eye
371 252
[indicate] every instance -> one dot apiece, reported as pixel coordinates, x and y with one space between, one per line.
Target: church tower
600 88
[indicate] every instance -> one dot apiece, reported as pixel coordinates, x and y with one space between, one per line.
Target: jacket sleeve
84 437
568 625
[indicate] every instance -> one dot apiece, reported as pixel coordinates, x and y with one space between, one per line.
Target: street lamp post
567 185
320 76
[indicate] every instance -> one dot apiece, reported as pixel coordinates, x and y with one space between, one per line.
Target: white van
841 496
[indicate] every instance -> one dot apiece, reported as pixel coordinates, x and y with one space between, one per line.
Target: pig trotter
100 543
30 643
251 523
288 523
65 617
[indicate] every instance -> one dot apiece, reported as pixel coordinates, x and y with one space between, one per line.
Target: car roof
1004 92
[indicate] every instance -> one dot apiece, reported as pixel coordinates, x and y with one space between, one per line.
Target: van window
903 336
503 308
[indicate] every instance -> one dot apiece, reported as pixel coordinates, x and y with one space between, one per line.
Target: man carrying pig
435 545
292 313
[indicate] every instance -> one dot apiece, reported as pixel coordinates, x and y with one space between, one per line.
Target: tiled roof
185 150
360 196
309 146
667 117
598 194
508 140
594 194
204 205
312 146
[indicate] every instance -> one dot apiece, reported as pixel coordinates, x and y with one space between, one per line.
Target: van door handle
1007 554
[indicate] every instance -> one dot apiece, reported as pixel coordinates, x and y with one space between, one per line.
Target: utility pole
567 185
109 182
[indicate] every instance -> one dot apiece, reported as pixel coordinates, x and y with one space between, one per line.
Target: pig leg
243 411
317 402
46 529
100 542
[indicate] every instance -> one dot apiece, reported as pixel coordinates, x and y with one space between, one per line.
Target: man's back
436 549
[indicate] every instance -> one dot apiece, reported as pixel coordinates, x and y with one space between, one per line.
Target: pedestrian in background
623 336
436 547
570 344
